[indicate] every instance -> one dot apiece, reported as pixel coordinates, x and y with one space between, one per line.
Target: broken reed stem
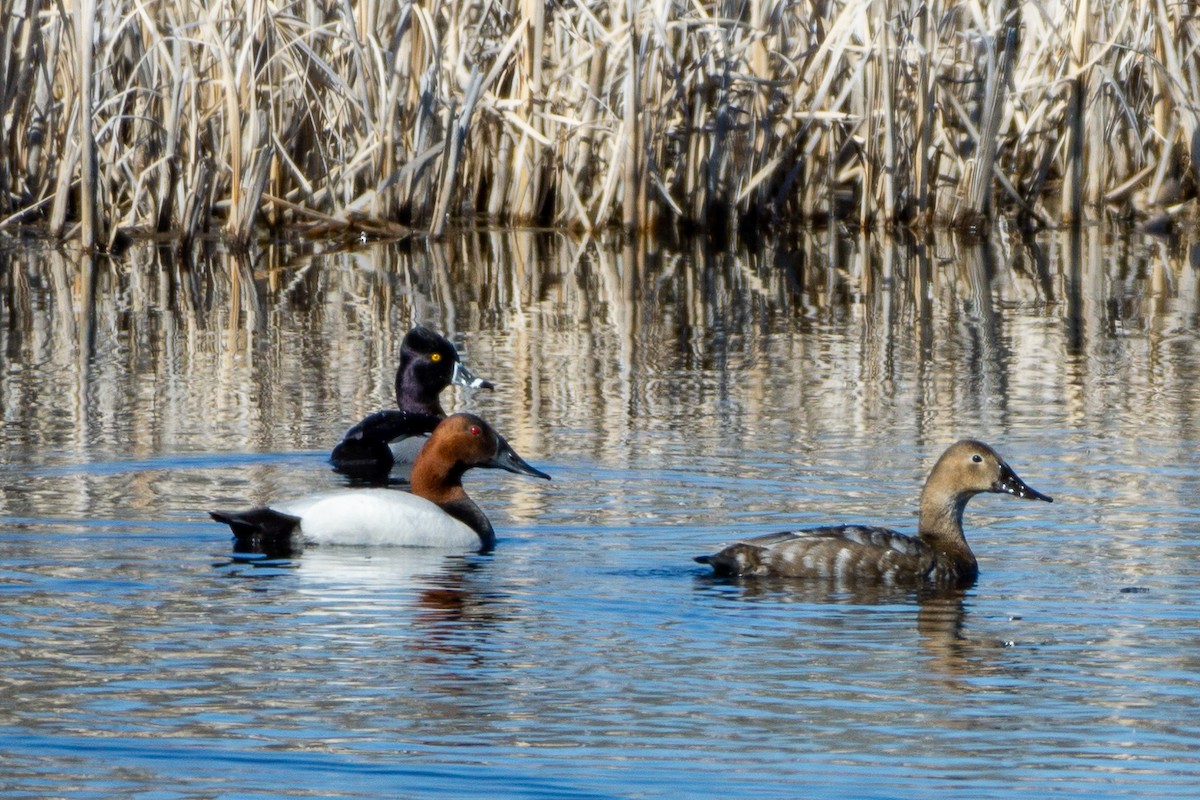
589 113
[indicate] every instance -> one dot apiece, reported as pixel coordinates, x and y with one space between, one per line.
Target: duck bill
507 458
1011 483
464 377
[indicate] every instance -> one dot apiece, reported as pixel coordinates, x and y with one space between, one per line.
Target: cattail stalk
627 113
84 27
1072 192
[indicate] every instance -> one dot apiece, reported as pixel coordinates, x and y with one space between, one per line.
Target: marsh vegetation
182 117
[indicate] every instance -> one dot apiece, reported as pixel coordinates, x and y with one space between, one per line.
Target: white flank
388 517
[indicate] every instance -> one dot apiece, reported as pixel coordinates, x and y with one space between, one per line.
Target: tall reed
384 117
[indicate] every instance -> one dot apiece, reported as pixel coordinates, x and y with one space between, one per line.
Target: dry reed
379 117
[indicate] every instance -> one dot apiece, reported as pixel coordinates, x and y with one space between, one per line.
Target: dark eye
978 459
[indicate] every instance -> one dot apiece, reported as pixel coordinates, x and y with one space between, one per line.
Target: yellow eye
436 357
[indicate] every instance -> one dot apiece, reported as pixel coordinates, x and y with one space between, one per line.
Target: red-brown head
461 442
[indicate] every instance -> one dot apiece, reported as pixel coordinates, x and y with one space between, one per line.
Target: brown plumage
861 554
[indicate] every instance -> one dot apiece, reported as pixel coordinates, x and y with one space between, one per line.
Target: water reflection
939 616
682 398
151 355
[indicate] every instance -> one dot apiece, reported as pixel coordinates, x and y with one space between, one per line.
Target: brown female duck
851 554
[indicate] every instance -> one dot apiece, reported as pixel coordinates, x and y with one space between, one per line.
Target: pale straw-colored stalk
227 115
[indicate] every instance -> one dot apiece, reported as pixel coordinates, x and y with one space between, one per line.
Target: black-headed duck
388 441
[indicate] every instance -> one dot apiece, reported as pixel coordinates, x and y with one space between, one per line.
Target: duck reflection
445 598
438 594
363 571
942 618
818 591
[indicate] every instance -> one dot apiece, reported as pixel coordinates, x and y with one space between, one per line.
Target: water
680 399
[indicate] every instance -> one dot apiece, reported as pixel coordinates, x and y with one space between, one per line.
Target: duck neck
412 395
941 528
465 511
444 487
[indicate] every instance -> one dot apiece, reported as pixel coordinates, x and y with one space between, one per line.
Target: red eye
476 430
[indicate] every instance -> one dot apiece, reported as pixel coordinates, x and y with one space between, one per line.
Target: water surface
681 398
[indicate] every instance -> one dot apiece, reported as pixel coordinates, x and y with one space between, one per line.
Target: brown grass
235 114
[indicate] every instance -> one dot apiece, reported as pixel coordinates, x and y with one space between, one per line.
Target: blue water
678 403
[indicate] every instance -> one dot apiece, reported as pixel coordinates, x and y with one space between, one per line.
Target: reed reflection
603 348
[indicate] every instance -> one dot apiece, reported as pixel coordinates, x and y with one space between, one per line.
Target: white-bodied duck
437 513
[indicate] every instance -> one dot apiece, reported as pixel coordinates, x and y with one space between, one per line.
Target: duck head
970 467
465 441
967 468
428 364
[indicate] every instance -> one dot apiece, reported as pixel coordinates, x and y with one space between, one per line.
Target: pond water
681 398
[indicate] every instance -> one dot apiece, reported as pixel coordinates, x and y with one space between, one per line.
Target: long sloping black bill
1011 483
507 458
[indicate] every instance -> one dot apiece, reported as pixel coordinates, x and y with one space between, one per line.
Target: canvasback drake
851 554
438 512
392 438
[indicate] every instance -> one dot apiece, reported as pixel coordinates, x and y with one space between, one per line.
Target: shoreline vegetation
385 118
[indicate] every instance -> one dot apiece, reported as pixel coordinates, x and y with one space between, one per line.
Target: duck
859 554
385 444
436 513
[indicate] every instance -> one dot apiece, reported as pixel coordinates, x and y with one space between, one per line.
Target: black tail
259 530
